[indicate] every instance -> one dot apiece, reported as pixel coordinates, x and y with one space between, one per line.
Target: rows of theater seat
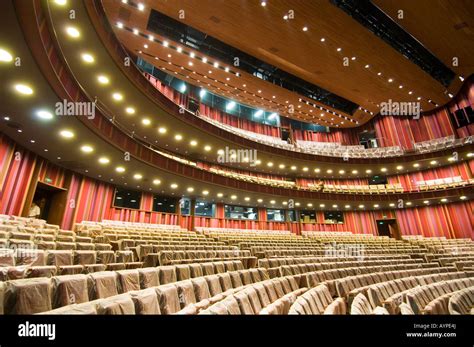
350 151
244 272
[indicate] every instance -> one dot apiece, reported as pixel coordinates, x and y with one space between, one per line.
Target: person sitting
35 210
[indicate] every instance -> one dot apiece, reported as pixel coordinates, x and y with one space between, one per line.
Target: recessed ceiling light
433 162
444 200
451 159
23 89
233 197
272 202
137 176
329 171
259 200
317 170
120 169
263 3
269 164
418 98
146 121
141 7
190 63
392 204
102 79
73 32
130 110
190 189
117 96
463 197
87 149
135 31
347 206
162 130
400 86
44 115
120 25
60 2
399 167
5 56
281 166
376 205
384 169
165 43
354 172
361 206
205 192
341 172
193 143
66 134
323 39
367 66
368 171
220 195
390 80
409 203
156 181
178 137
470 154
426 202
216 64
207 148
353 58
247 198
145 46
173 186
305 28
104 160
379 74
87 58
339 49
293 168
416 165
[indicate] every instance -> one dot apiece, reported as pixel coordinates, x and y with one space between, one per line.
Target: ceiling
262 32
43 136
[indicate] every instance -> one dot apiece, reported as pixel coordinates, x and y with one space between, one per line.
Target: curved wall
89 199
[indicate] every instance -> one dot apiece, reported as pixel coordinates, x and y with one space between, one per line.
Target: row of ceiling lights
26 90
216 64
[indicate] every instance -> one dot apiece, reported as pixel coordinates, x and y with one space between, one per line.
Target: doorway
388 227
51 201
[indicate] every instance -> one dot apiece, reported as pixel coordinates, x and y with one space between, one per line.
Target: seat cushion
146 301
102 285
128 280
28 296
168 298
70 289
148 277
116 305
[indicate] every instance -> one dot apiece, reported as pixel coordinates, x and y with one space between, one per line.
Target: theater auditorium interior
237 157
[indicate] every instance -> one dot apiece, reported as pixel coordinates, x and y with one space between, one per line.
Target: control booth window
333 217
307 217
164 204
204 209
276 215
185 205
375 180
292 215
127 198
240 212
